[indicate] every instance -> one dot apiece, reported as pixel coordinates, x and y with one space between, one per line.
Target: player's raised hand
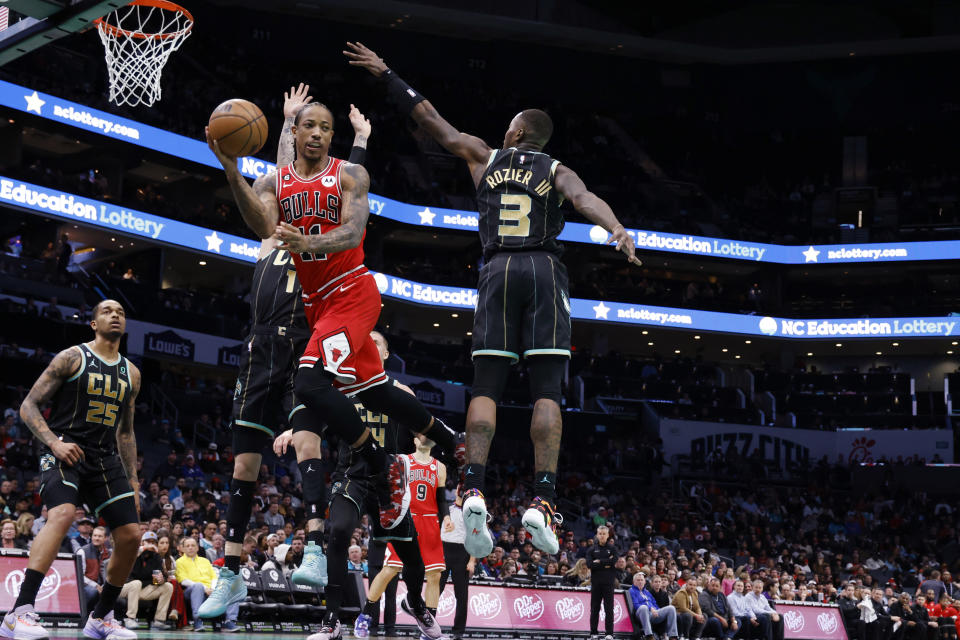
295 99
282 441
624 244
290 238
361 56
69 452
361 125
217 151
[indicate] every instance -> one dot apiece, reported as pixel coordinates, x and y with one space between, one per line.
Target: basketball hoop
138 39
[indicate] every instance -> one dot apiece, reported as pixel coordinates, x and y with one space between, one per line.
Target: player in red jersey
317 207
428 507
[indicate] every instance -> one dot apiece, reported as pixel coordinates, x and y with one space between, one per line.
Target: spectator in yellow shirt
197 576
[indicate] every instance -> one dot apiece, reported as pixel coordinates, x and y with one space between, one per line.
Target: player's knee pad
301 418
314 387
240 508
546 377
490 376
314 488
396 403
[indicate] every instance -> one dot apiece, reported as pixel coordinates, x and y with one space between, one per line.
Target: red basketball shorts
431 547
342 319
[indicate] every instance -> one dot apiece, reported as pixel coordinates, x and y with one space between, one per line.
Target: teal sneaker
313 570
229 590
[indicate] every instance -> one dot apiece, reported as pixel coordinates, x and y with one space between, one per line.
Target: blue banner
64 111
106 215
73 208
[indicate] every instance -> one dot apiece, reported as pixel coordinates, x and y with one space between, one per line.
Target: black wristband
443 509
357 155
400 93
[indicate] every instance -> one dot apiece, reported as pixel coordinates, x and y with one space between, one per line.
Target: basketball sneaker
361 626
394 491
478 541
542 521
329 630
428 624
107 628
313 570
230 590
23 622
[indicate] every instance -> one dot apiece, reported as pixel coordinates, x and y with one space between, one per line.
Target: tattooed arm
65 364
126 438
354 183
258 205
293 101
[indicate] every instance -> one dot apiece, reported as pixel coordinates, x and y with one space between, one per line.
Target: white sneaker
23 623
327 632
107 628
130 623
478 541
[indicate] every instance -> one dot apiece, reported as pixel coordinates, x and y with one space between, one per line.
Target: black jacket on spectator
602 562
144 566
661 597
883 613
849 609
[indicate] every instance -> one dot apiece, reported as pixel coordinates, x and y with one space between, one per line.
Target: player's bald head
537 126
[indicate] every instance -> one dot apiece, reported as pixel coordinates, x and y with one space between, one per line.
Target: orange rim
160 4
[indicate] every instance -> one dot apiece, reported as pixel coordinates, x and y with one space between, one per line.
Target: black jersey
88 407
385 434
518 203
275 293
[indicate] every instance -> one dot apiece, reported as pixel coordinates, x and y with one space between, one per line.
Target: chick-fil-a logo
528 608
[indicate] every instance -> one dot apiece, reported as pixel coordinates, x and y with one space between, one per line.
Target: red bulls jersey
423 486
314 206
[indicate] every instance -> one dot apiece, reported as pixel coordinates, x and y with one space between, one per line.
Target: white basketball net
138 39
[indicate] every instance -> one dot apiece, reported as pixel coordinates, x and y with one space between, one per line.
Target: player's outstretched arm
596 210
354 182
258 204
126 438
293 101
471 148
64 364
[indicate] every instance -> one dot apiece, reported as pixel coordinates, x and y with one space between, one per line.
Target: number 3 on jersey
518 212
315 231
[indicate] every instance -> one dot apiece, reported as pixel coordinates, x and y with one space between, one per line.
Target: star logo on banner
811 254
601 310
426 216
213 242
34 103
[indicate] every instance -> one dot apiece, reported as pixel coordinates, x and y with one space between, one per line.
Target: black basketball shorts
523 306
360 491
264 394
100 483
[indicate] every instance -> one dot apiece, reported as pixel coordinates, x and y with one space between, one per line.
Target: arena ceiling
736 32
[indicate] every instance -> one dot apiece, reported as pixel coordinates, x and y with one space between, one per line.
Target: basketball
239 127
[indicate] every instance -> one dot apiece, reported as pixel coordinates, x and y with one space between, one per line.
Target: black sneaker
425 620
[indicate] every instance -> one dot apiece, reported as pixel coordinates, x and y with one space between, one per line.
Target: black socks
28 590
